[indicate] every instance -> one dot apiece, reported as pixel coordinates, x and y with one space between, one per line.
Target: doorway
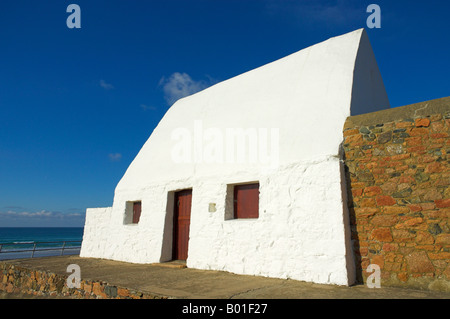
181 223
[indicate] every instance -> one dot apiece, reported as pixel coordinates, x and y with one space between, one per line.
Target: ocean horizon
25 238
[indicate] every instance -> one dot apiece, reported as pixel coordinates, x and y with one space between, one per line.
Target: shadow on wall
166 250
355 240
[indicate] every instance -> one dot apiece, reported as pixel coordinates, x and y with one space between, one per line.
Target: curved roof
305 97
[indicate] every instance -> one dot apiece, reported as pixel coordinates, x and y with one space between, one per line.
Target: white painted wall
302 230
96 231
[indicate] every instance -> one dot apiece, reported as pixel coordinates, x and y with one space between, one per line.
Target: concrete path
176 282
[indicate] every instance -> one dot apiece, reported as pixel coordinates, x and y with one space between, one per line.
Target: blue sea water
24 238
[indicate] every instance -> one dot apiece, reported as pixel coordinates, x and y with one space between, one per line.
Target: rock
394 149
385 137
432 195
365 176
396 210
372 191
398 140
377 152
364 130
422 177
369 137
402 194
410 223
384 220
381 234
439 256
123 292
418 262
443 239
385 200
434 229
98 290
435 168
111 291
443 203
422 122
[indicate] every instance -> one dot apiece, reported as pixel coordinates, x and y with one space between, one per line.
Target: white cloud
180 85
39 214
42 213
105 85
115 157
41 218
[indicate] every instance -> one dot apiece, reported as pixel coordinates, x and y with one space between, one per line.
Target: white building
275 207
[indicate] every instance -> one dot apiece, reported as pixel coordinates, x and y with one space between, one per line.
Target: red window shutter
246 201
136 212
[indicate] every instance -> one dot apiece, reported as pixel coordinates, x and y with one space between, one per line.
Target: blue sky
76 105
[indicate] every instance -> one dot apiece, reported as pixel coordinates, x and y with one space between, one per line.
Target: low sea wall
20 280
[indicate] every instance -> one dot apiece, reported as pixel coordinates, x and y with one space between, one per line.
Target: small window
132 212
246 201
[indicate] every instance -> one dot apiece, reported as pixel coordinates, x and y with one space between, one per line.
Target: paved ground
188 283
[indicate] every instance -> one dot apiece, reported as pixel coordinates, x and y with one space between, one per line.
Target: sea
18 242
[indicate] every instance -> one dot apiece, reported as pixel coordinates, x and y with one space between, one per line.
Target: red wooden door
182 220
246 201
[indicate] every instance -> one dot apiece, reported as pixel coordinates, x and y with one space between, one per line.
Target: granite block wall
398 172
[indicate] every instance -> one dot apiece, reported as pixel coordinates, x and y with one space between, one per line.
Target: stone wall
20 280
397 166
